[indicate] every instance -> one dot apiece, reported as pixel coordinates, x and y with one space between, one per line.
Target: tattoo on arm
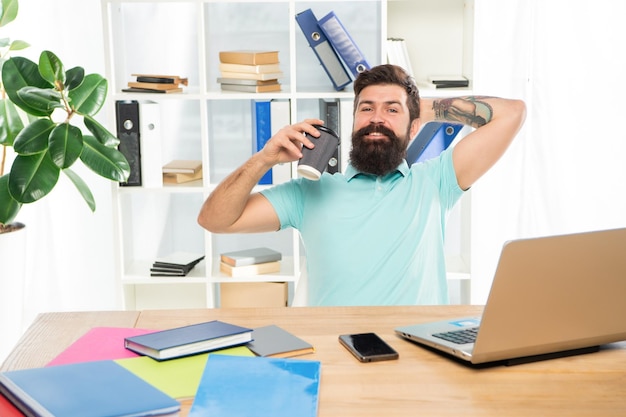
472 111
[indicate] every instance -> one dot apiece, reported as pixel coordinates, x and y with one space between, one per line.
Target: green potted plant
41 106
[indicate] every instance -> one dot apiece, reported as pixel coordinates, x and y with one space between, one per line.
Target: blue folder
432 139
323 50
343 43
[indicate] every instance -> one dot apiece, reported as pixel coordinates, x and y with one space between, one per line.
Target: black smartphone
368 347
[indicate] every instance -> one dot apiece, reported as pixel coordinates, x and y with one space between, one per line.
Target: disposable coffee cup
314 161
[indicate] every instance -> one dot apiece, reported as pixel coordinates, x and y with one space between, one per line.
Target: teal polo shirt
373 240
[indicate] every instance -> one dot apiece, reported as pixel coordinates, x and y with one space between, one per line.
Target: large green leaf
82 188
8 12
104 161
89 97
44 100
32 177
51 69
101 133
10 122
66 144
74 77
33 138
19 72
9 207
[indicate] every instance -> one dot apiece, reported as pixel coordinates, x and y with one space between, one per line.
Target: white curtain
69 265
566 171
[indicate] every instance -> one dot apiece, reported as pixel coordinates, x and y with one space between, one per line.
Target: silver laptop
551 296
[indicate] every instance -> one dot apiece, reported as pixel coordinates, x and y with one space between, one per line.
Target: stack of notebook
177 264
253 261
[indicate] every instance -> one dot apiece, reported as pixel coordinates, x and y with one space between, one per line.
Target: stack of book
182 170
252 71
177 264
253 261
155 83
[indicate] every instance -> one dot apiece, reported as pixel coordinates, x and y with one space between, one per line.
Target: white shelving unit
184 37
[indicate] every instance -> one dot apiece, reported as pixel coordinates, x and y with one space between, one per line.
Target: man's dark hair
390 74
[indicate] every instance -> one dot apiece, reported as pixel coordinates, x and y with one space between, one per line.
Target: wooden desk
420 383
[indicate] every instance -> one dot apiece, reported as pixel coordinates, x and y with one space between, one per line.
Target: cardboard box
253 294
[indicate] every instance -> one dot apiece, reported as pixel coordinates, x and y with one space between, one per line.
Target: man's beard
380 156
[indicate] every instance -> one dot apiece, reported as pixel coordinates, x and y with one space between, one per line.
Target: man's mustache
366 130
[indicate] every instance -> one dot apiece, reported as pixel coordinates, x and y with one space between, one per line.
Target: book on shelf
189 340
181 178
249 57
398 54
241 81
246 270
253 76
448 81
250 69
276 342
153 86
182 166
86 389
243 386
251 88
160 78
168 272
147 83
151 90
250 256
175 264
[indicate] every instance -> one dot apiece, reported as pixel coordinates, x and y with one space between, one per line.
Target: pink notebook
99 343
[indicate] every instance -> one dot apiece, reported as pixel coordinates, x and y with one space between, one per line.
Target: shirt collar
352 172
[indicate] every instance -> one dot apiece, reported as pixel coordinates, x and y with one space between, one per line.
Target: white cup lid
309 172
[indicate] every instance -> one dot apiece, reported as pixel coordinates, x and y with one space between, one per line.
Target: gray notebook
274 341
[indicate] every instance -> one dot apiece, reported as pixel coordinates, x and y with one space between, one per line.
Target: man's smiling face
382 129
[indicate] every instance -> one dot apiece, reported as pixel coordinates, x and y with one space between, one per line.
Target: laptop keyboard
460 337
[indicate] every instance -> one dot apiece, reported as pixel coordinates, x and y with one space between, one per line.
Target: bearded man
373 235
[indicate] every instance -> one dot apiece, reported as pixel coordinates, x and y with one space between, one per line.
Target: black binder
127 116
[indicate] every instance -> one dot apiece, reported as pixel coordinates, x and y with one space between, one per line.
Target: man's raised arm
497 121
231 208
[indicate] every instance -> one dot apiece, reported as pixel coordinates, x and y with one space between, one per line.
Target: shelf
184 37
138 273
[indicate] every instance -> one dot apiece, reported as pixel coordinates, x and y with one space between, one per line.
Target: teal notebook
257 387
